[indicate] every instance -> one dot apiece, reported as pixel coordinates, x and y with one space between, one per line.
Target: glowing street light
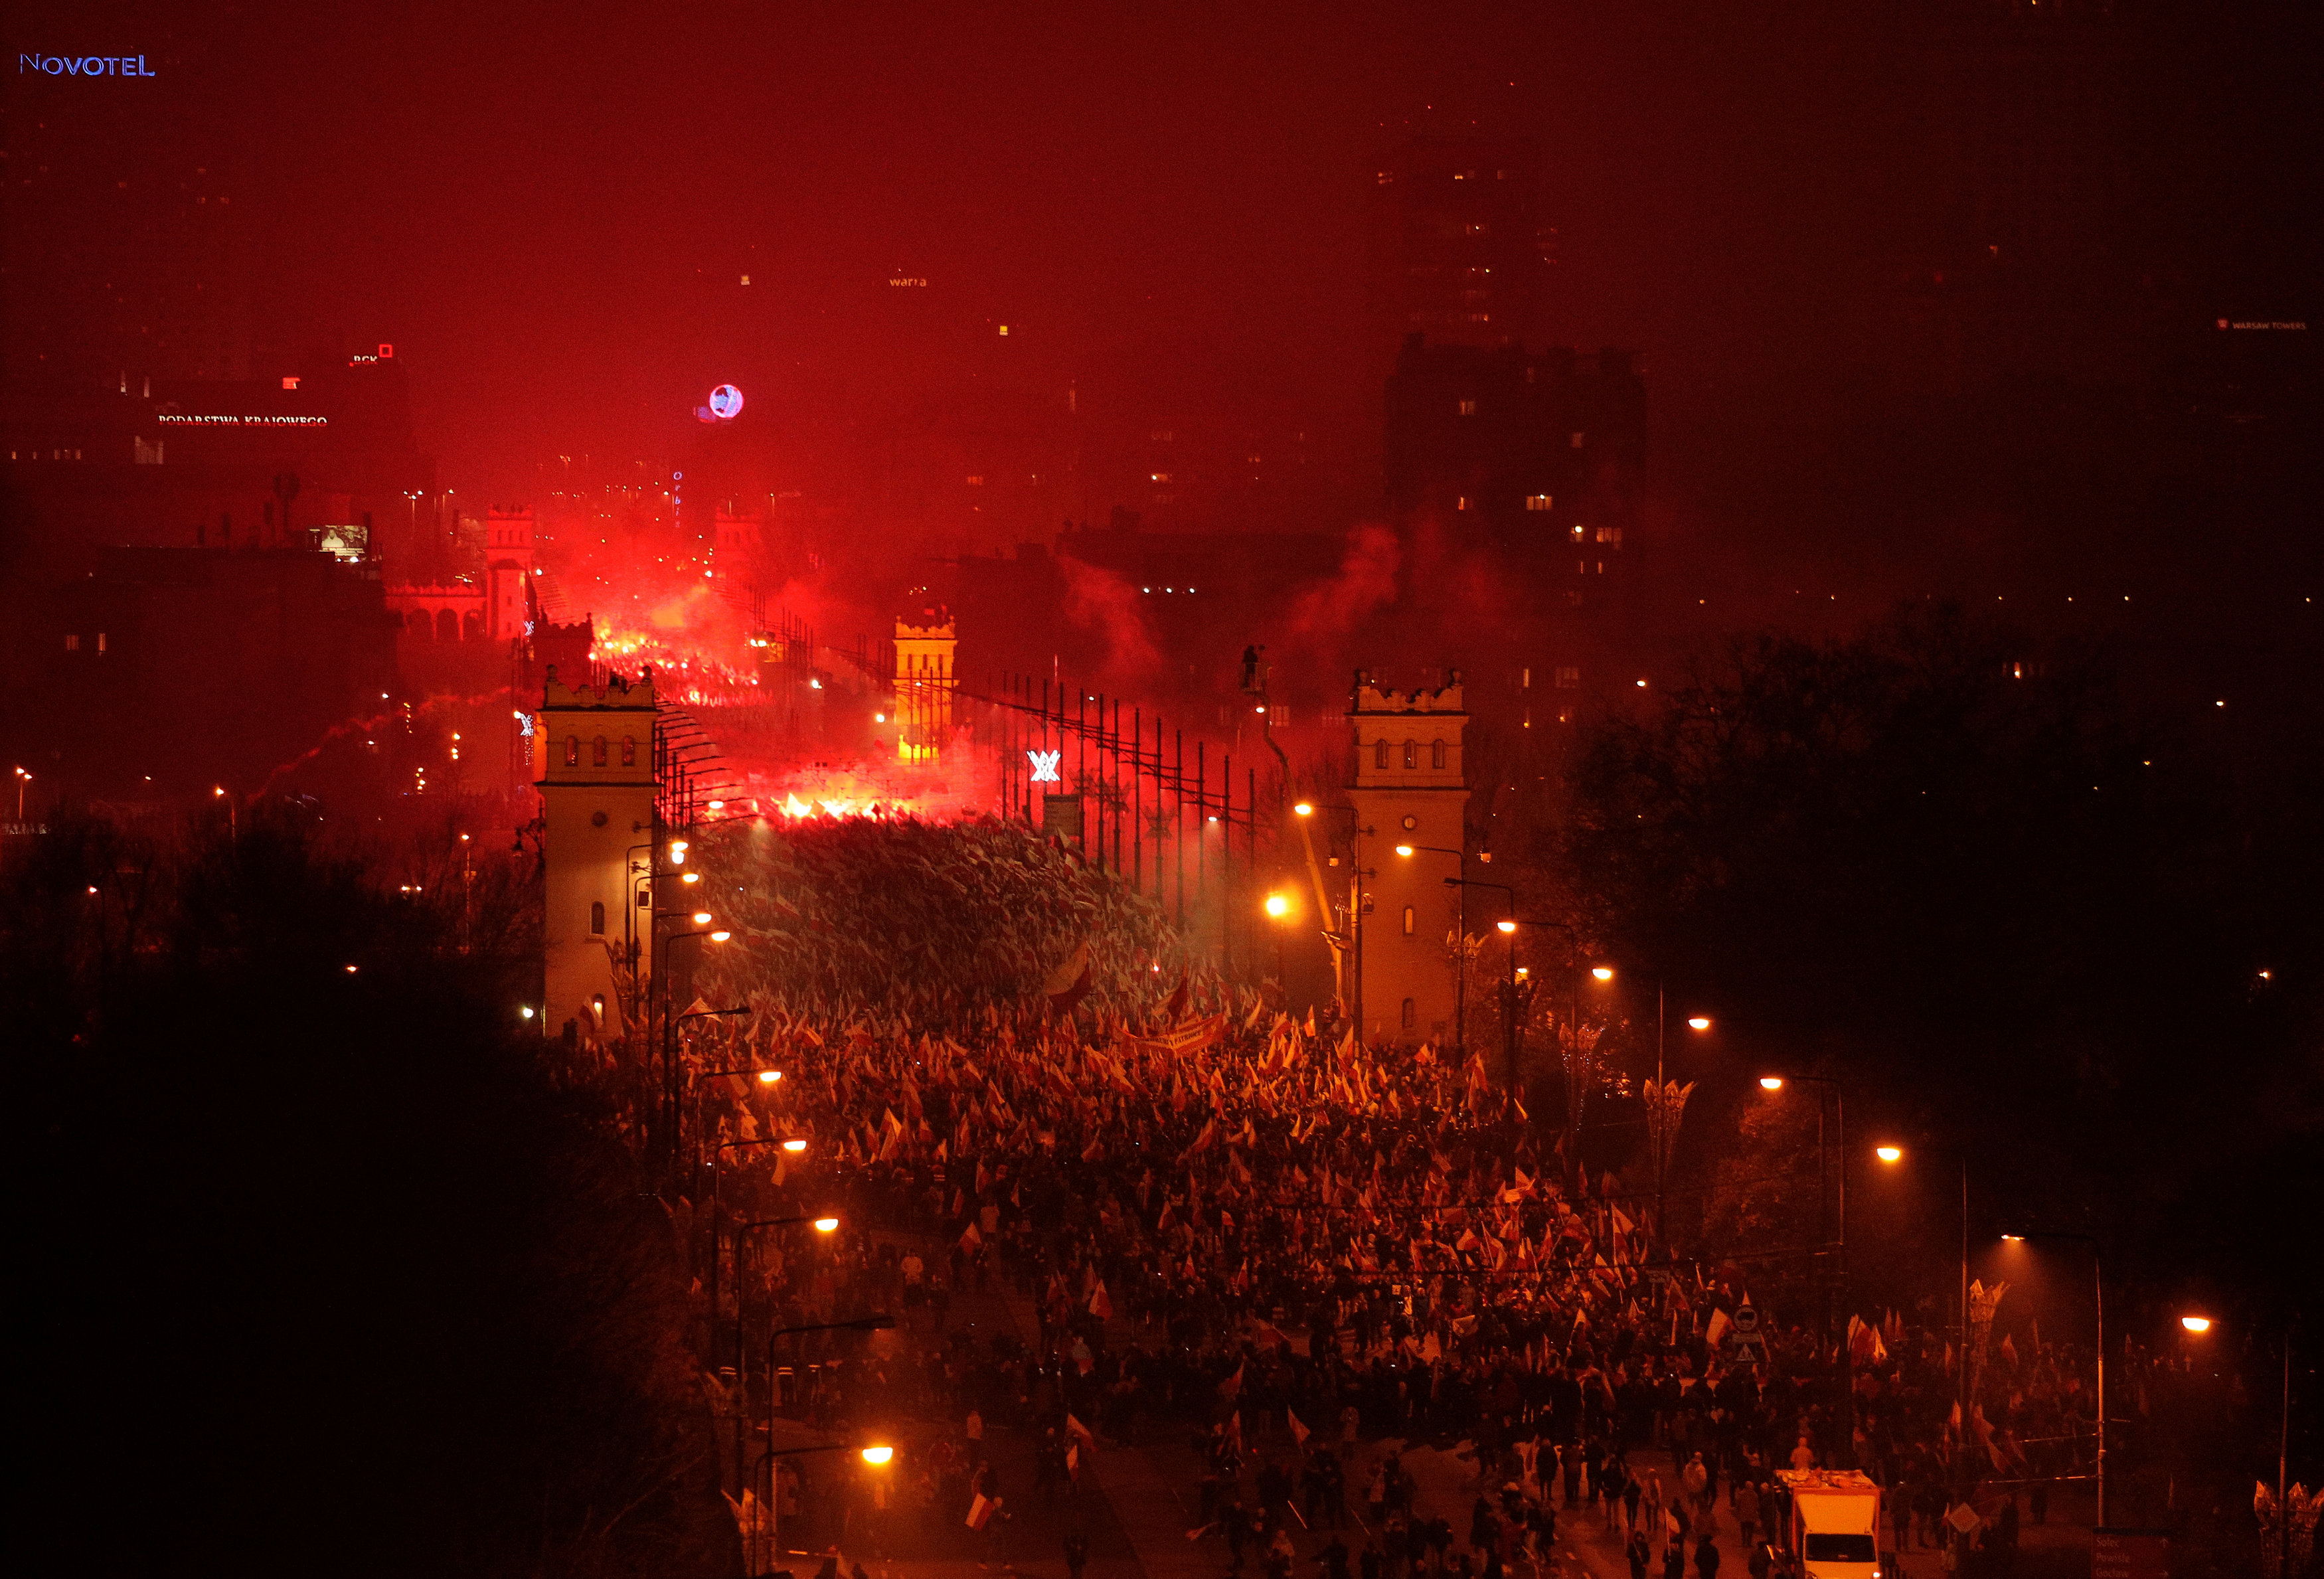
769 1076
2196 1323
702 917
1699 1023
1277 905
1771 1082
879 1454
826 1225
1507 926
1888 1153
1604 972
720 937
795 1146
1404 850
1303 809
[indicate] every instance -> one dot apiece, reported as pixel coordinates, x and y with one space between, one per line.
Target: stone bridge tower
1408 789
595 746
921 705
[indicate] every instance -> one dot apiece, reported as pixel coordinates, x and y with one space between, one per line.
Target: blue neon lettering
85 65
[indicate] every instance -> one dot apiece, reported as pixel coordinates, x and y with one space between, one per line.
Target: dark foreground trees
319 1270
2027 907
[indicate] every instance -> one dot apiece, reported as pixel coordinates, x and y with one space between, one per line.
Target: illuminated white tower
595 746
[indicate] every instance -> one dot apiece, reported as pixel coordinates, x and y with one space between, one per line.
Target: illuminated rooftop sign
190 420
1045 765
84 65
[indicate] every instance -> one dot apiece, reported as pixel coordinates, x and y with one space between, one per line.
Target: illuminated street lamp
1847 1444
1604 972
1460 921
1357 834
883 1451
2201 1324
1893 1154
1698 1022
2098 1286
795 1146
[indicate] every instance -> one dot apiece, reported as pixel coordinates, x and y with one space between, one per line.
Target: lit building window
597 752
1411 925
572 751
628 751
1577 441
1411 1014
1436 754
1379 753
1537 501
1412 754
1610 534
597 917
1468 408
72 643
1568 677
976 482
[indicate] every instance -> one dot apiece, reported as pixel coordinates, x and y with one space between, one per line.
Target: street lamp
1840 1282
2098 1285
876 1454
742 1231
1507 927
1460 954
1277 907
2199 1325
1357 835
1604 972
1891 1155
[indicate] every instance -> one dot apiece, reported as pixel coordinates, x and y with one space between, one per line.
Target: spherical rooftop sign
725 401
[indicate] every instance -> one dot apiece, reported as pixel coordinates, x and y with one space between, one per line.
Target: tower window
572 751
1411 1014
1537 501
1436 754
1411 920
596 918
597 752
1468 408
628 751
1379 753
1412 754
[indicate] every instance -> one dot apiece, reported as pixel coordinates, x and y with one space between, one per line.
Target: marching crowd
1255 1230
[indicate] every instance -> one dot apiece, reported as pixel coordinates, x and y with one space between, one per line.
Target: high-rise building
1541 456
1462 245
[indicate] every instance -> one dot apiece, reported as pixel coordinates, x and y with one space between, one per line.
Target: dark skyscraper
1461 247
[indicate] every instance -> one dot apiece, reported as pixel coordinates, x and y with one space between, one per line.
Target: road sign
1964 1518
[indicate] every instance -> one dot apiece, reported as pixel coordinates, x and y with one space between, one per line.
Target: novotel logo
84 65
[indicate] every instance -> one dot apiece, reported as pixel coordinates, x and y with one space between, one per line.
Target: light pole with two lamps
2097 1288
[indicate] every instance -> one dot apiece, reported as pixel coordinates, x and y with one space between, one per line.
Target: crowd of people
1252 1228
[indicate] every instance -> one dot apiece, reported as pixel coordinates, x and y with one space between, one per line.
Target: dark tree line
2023 912
323 1271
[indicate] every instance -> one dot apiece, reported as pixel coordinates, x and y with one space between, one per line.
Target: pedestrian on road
1076 1553
1706 1560
1631 1492
1638 1555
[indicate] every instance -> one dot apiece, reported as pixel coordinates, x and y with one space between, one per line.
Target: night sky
550 208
